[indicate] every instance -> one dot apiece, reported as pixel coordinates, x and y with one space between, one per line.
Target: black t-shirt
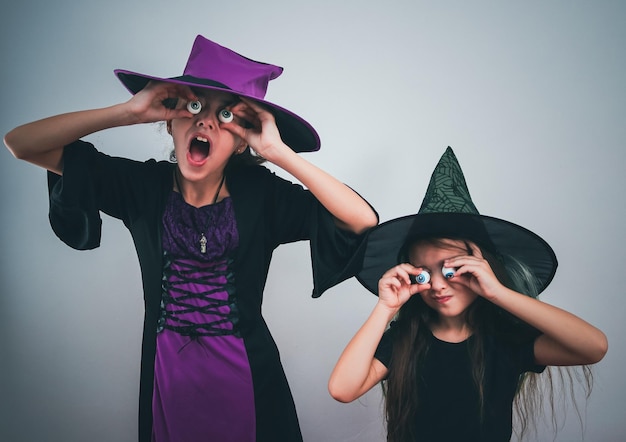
449 405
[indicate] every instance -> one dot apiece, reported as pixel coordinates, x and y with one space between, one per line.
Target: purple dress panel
203 387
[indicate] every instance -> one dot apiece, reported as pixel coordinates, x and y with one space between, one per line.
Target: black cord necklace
203 240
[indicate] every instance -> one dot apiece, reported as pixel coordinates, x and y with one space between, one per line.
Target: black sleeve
94 182
295 214
74 215
336 254
526 355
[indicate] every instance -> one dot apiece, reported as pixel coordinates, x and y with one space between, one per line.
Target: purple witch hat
211 66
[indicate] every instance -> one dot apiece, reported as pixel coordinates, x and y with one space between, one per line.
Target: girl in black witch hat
467 336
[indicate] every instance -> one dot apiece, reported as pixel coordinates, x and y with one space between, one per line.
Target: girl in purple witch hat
468 340
204 227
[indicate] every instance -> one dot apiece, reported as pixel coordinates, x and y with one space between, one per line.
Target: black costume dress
448 407
269 211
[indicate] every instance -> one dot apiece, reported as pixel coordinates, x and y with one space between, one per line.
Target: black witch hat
447 211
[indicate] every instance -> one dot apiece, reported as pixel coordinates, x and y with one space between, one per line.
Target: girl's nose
438 281
206 119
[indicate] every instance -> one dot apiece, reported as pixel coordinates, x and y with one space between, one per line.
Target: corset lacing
173 294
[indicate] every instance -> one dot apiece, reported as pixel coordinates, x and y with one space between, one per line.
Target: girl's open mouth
199 149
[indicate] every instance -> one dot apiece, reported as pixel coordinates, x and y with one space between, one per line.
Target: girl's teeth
204 140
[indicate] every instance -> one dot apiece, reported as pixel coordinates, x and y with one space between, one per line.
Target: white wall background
530 95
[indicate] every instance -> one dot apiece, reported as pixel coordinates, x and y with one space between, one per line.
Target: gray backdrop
530 95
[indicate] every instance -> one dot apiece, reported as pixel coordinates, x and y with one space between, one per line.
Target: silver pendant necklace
203 240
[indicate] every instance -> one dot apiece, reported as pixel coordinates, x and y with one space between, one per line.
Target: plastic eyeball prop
448 272
225 116
194 107
422 278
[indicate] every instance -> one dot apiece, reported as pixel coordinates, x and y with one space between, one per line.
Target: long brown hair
410 347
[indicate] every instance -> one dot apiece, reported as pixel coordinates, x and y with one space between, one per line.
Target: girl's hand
475 272
147 105
395 288
260 132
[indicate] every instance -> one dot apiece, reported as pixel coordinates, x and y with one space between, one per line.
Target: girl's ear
242 147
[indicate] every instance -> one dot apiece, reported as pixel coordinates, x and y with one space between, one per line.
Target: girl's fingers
163 89
404 272
256 112
254 105
244 116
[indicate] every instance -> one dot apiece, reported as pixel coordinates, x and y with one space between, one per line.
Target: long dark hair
410 347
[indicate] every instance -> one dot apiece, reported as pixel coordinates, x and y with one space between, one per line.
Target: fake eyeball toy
194 107
225 116
448 272
422 278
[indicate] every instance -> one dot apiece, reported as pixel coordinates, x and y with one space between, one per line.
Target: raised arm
41 142
357 370
566 339
350 210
